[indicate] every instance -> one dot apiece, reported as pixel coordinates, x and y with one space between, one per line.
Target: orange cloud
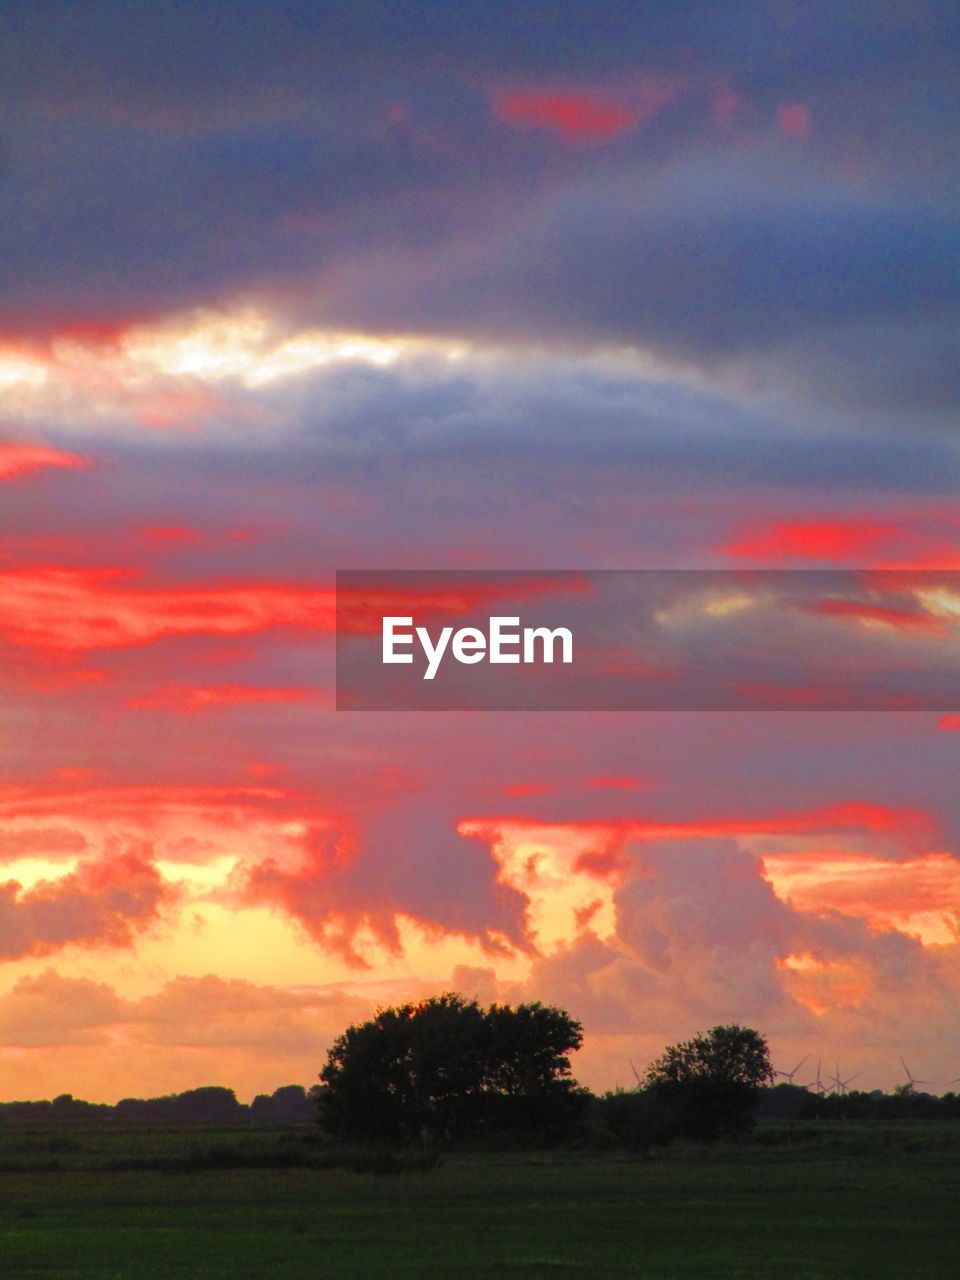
102 903
51 607
821 985
48 1010
17 459
920 895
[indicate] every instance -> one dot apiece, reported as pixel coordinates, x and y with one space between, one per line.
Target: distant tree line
446 1070
211 1105
792 1102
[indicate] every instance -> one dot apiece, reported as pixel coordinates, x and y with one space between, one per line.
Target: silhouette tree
446 1068
711 1084
287 1105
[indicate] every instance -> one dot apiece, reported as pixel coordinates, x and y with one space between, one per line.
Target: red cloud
830 540
794 119
186 698
51 607
794 695
619 783
908 620
950 724
102 803
879 543
161 535
577 117
725 103
17 459
66 680
45 842
624 662
913 827
361 609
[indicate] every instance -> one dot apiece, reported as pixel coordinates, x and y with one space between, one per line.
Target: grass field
827 1210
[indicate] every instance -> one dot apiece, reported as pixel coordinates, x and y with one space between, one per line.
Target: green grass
816 1213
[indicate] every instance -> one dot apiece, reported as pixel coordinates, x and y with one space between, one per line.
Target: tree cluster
448 1069
703 1089
709 1087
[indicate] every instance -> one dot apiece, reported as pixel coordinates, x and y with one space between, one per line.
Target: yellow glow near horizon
202 938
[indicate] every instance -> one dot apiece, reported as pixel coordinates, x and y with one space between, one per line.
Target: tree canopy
712 1083
446 1068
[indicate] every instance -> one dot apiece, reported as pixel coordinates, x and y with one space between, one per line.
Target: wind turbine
912 1081
636 1074
842 1084
788 1075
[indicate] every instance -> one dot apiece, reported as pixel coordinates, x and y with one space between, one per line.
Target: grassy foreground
821 1214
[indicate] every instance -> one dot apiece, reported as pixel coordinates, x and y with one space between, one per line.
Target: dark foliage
447 1069
290 1104
212 1104
711 1085
636 1119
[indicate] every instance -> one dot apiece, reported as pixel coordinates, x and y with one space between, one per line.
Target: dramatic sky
287 288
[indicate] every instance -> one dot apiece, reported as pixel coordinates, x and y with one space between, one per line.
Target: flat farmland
824 1212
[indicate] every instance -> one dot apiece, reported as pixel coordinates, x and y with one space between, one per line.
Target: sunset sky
293 287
